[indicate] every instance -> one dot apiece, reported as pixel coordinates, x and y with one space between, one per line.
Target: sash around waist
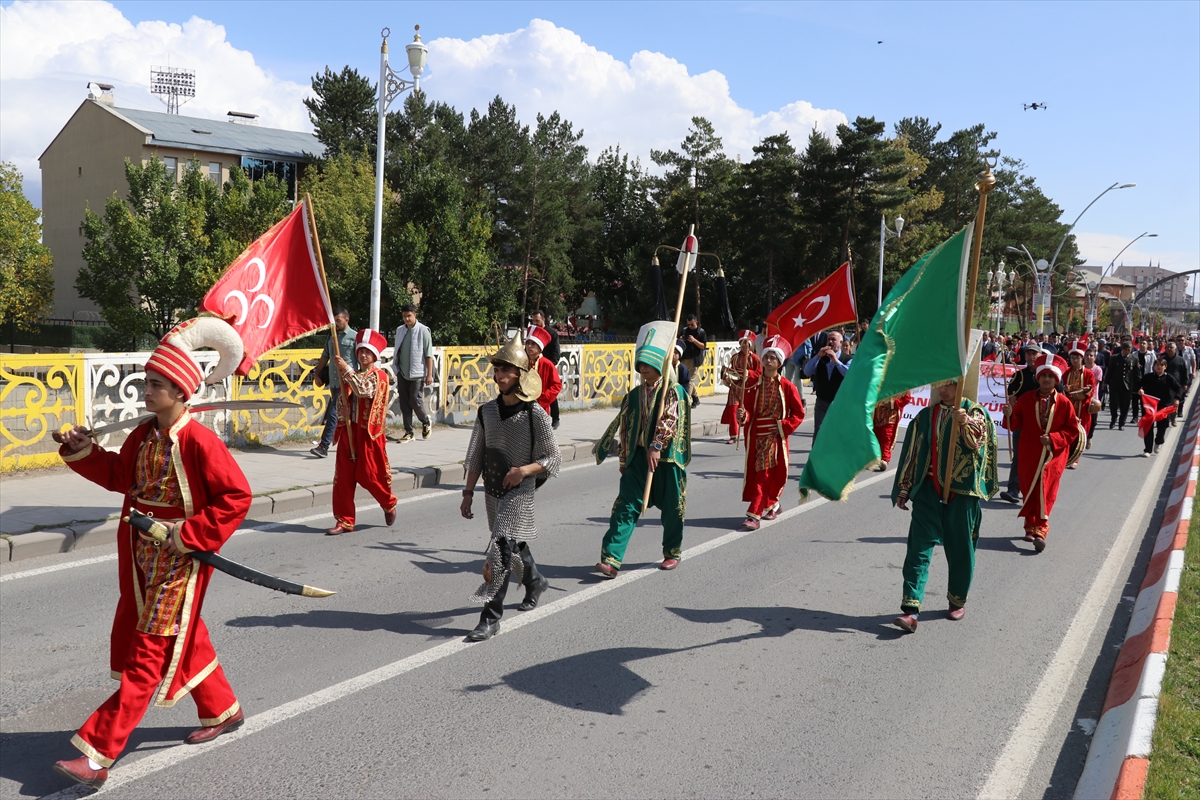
161 511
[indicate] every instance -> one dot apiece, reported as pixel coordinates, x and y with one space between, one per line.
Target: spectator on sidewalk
552 352
827 370
412 360
344 347
695 350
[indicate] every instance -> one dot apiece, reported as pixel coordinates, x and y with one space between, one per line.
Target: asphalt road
765 666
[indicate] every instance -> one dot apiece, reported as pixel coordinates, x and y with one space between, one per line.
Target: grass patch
1175 755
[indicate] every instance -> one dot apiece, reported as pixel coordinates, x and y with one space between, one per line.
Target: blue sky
1122 80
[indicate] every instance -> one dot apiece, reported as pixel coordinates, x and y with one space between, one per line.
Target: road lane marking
171 756
1017 759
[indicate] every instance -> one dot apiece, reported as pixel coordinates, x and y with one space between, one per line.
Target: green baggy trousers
668 492
955 526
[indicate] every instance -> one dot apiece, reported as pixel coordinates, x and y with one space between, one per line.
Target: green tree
768 223
497 148
152 256
26 268
343 112
343 197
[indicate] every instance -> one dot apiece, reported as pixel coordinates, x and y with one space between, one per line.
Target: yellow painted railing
38 395
43 393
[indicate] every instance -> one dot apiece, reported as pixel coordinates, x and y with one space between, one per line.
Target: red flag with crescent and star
826 304
275 291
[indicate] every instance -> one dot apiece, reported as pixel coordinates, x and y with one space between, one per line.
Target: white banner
992 381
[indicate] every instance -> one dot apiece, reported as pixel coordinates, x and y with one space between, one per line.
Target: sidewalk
56 511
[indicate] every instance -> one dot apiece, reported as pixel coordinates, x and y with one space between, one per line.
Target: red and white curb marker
1119 756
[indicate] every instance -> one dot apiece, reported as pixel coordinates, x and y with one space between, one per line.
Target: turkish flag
1151 414
827 303
275 291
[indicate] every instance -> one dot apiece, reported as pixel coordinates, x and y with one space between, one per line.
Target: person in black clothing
552 352
1022 381
682 375
1163 385
827 368
1177 368
695 342
1123 378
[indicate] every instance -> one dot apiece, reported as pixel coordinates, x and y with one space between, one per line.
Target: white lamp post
391 86
1093 298
1000 278
884 230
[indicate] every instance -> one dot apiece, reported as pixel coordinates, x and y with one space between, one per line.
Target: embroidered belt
160 511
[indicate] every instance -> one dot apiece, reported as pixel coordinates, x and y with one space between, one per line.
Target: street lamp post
884 230
1093 300
1000 278
391 86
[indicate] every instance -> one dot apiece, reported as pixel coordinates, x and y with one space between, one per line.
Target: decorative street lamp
391 86
884 230
1000 278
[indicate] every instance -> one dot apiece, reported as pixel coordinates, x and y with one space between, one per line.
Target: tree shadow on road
778 621
29 756
413 623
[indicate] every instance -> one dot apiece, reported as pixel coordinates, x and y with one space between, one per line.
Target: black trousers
1119 403
495 609
1157 435
408 392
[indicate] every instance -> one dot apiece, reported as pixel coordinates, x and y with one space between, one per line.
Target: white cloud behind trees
49 51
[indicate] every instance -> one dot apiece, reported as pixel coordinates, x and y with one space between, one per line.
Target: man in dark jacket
827 368
695 342
1177 368
1123 378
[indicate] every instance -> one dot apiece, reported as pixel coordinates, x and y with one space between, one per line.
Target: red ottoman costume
774 410
547 370
1039 467
1081 388
159 645
362 458
743 370
886 422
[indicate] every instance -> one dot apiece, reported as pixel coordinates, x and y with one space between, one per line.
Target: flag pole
662 395
984 185
312 226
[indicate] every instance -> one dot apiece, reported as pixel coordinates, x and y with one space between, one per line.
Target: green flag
915 338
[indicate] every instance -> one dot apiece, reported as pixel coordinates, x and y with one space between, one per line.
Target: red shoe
78 770
751 524
906 622
732 440
956 613
1028 536
607 570
1039 543
336 530
772 512
210 732
669 563
389 518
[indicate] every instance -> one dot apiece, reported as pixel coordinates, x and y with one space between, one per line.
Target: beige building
85 165
1172 293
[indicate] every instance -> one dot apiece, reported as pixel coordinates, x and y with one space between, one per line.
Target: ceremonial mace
985 184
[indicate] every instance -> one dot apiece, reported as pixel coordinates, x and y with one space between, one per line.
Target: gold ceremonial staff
985 184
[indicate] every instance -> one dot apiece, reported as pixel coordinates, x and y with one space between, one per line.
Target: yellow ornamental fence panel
606 373
705 381
39 394
281 375
467 383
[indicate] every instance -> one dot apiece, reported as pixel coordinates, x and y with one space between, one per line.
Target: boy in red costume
744 368
1080 384
772 412
1048 426
536 340
362 458
886 422
178 471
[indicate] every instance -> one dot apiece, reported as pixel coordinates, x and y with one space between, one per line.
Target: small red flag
275 291
1151 414
827 303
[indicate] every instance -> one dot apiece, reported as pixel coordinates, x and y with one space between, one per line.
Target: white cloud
644 104
49 51
1100 248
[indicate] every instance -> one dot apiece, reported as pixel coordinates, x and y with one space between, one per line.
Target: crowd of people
185 493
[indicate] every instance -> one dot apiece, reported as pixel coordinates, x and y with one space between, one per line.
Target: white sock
93 764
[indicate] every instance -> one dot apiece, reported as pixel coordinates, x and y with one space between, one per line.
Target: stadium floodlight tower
173 85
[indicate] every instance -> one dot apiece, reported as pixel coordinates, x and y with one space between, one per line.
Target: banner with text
992 380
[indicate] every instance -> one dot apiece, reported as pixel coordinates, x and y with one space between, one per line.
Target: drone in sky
1035 106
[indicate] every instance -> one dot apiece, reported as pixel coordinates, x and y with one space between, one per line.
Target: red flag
1151 414
275 291
827 303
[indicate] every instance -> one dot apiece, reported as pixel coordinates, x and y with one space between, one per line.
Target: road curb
70 536
1119 757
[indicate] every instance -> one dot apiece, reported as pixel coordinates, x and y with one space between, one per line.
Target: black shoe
534 593
320 452
1112 425
696 402
554 424
484 631
1010 497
